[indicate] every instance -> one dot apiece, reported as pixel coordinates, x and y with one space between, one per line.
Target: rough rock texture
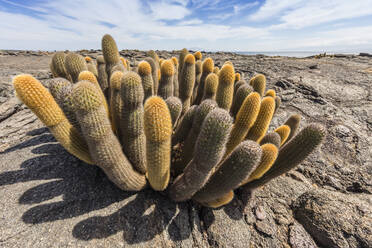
335 219
50 199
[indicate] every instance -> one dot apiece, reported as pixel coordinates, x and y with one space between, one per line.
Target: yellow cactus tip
221 201
25 84
88 59
237 76
115 80
198 55
227 73
123 61
155 107
190 59
144 68
228 63
175 61
271 93
86 96
167 68
87 75
283 132
208 65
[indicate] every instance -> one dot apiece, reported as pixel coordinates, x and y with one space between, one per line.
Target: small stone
260 213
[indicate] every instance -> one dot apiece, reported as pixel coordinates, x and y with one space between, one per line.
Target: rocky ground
50 199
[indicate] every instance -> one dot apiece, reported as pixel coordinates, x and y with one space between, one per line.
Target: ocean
297 54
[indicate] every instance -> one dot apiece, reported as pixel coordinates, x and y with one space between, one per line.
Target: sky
219 25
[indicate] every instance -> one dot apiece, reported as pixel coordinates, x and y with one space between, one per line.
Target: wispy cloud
172 24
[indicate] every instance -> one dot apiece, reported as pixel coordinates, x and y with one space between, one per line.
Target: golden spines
207 68
258 83
237 77
144 70
103 144
294 123
269 155
198 55
124 62
245 119
259 128
74 64
115 100
271 93
283 132
166 81
225 90
158 131
89 76
210 87
216 70
187 81
32 93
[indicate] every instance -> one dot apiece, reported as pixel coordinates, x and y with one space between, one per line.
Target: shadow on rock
81 188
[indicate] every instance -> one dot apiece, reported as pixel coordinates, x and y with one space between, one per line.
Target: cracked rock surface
49 198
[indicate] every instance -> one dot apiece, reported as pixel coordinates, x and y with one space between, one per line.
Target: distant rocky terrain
49 198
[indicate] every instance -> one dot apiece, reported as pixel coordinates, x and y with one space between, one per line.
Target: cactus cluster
183 126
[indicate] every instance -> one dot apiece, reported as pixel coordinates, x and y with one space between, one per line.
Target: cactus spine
225 90
116 103
158 131
102 76
270 93
232 172
181 61
208 151
187 81
110 53
277 103
269 154
144 70
89 76
245 118
175 78
132 136
184 126
259 128
202 111
166 80
239 97
210 87
36 97
198 55
293 153
216 70
175 107
207 68
284 132
271 138
293 122
103 145
75 64
155 74
237 77
258 83
58 65
61 89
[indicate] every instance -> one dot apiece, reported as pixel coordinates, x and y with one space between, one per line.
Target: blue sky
229 25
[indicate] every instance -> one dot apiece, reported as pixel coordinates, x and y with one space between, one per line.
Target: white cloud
164 10
70 24
272 8
191 22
